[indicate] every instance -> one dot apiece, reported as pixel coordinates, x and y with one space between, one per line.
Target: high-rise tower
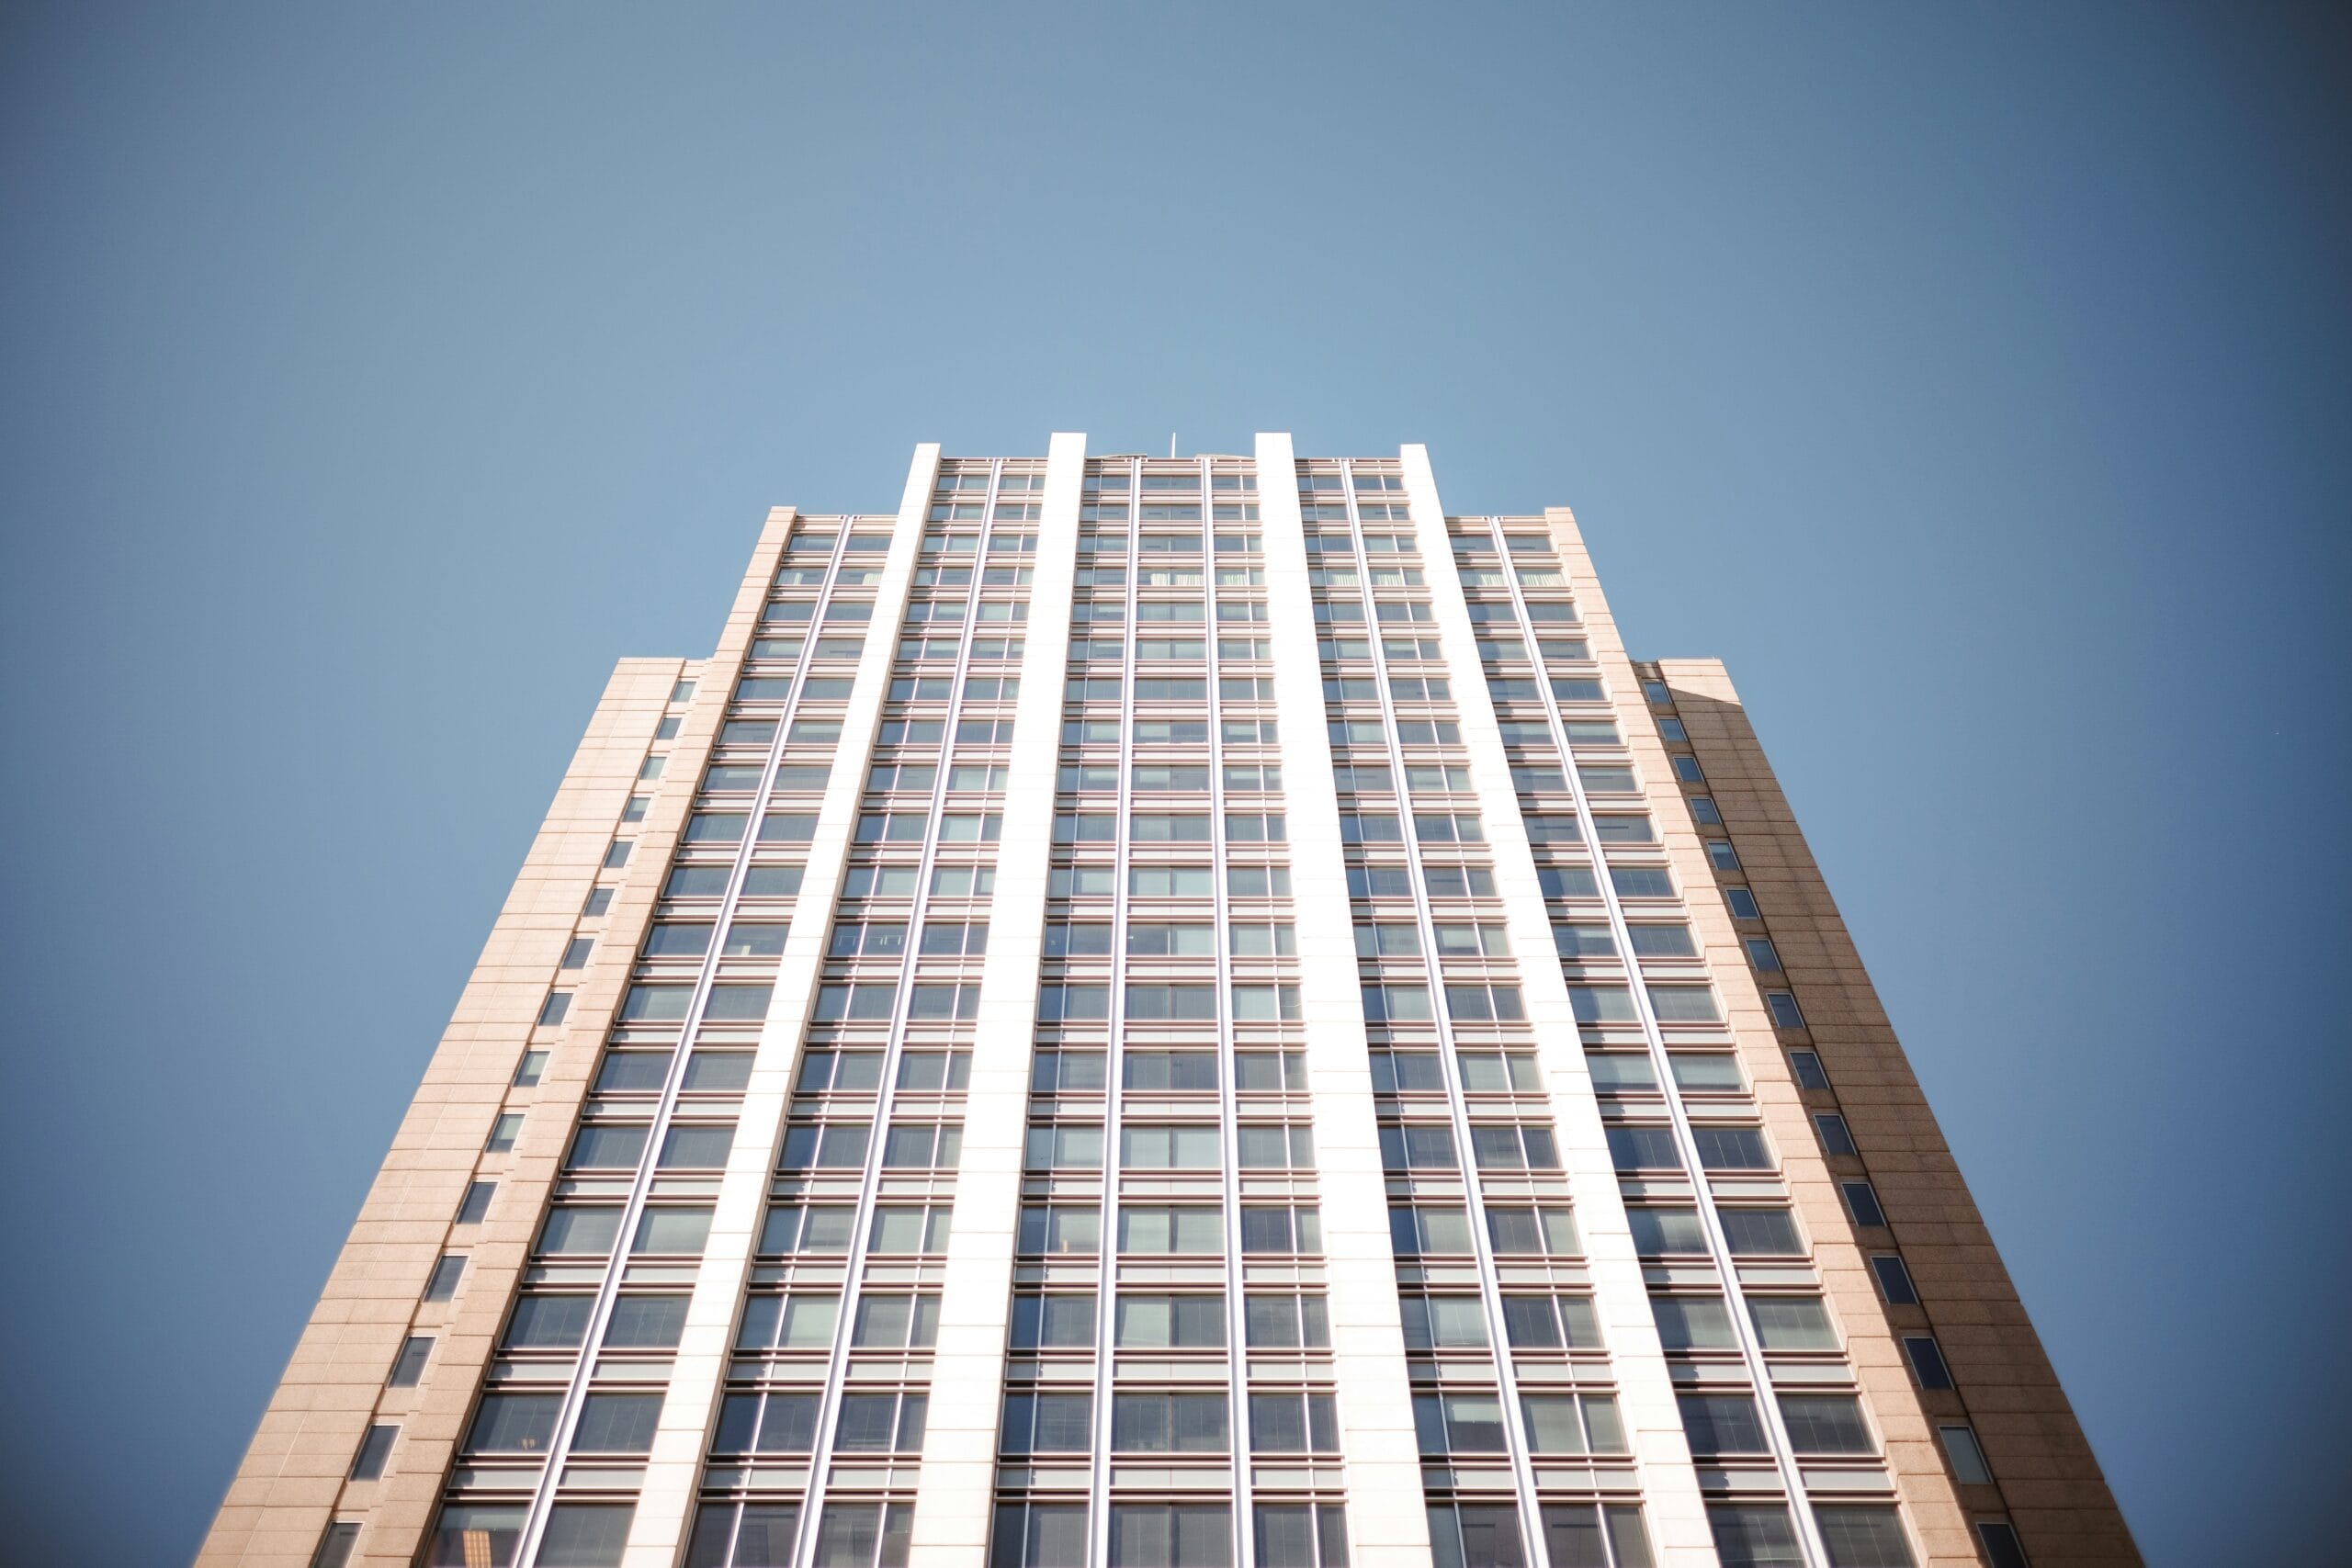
1144 1014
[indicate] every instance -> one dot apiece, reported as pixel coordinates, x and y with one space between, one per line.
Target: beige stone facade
2043 1475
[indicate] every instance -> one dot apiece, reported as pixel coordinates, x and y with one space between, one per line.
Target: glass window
1466 1423
526 1073
1281 1229
1644 1148
1662 1232
1655 940
1299 1535
1476 1535
775 1422
408 1369
1038 1535
1862 1202
617 1423
1792 1322
1742 904
880 1422
579 1230
744 1535
1927 1360
1826 1424
1443 1322
1863 1536
1578 1535
1805 1068
1573 1423
864 1535
908 1229
445 1275
1732 1149
1158 1423
375 1452
1722 1423
607 1146
1836 1137
1551 1323
1155 1321
548 1323
1533 1231
646 1323
1054 1229
1153 1229
1754 1535
1893 1280
1054 1322
1047 1424
514 1422
335 1547
2002 1548
1164 1534
681 1231
476 1202
1286 1322
1693 1323
468 1535
1968 1464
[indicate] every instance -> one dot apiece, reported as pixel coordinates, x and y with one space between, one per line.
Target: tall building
1169 1014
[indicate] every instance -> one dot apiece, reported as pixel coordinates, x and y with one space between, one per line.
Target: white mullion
1718 1245
1115 1011
1458 1106
640 1187
820 1466
1387 1511
956 1487
1228 1110
682 1440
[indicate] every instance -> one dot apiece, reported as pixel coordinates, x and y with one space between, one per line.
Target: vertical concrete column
1387 1522
1678 1519
665 1505
954 1499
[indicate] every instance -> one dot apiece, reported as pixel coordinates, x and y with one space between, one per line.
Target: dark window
375 1452
408 1369
335 1547
1927 1361
1893 1280
445 1275
476 1202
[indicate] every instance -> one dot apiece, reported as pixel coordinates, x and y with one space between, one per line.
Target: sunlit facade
1170 1014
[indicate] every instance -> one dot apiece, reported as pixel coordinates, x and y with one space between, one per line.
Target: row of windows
1165 1229
1079 1146
1164 732
1270 1321
1168 827
1168 1535
1064 1003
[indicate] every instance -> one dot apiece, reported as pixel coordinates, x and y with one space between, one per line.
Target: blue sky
1973 380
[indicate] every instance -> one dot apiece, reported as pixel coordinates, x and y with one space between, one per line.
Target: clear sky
1972 378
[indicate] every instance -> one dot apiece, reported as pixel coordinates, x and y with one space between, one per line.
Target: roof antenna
1171 443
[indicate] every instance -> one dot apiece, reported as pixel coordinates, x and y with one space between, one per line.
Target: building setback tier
1169 1014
